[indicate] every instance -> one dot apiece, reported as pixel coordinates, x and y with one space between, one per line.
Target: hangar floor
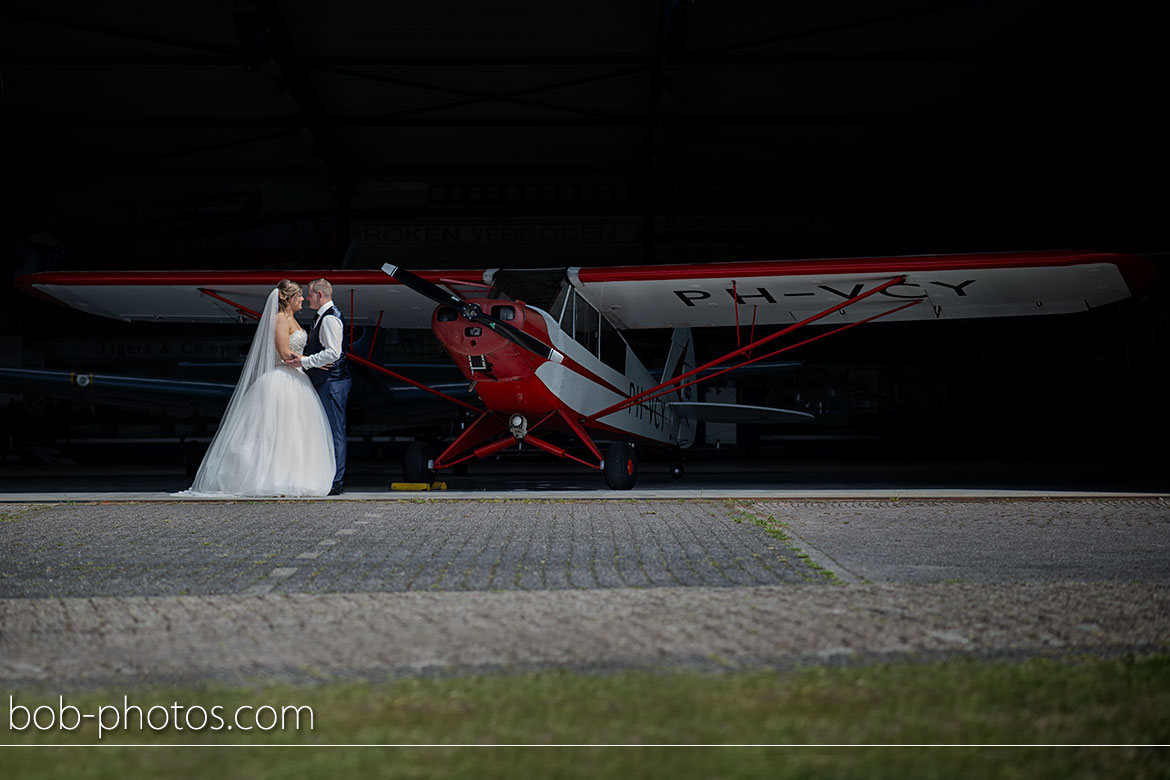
707 473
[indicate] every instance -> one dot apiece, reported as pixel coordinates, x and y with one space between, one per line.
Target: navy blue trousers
334 394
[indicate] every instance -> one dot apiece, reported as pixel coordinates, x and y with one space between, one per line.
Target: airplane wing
80 384
175 396
663 296
369 297
784 292
85 382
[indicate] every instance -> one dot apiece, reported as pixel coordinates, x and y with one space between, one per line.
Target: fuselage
578 382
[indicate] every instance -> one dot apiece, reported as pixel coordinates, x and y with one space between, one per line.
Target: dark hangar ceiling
460 132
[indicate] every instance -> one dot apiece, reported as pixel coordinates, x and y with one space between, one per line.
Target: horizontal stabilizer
703 411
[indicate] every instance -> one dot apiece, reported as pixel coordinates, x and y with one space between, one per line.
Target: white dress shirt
330 335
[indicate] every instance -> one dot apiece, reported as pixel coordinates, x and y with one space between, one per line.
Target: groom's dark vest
340 369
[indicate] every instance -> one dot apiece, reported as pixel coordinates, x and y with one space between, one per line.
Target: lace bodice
297 340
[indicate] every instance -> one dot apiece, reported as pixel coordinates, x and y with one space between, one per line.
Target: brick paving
108 593
223 548
1116 539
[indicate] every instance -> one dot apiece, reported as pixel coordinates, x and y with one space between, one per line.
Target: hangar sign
470 234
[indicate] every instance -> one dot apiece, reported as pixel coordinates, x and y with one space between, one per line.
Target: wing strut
374 338
774 353
368 364
241 309
350 354
668 385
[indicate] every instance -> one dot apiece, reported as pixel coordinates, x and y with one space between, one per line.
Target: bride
274 439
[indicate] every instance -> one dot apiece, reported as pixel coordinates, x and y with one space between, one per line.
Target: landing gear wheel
621 466
677 471
416 465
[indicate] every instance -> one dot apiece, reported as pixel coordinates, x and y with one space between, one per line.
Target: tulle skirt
276 443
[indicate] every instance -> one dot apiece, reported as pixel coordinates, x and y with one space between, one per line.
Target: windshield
536 287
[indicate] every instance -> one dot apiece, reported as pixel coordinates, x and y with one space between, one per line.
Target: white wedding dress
274 439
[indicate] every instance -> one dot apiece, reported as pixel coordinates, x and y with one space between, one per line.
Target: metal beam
266 45
351 66
915 118
668 56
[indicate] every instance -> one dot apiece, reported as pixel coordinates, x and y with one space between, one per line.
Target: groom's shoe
336 489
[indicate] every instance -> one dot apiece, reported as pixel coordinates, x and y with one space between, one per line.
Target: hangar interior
285 134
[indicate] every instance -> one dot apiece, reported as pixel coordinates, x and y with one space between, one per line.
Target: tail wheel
621 466
417 464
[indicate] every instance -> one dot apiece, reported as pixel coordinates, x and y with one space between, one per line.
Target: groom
325 363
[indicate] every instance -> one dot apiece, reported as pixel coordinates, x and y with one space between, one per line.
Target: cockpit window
589 329
535 286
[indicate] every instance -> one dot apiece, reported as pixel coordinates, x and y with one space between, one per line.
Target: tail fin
679 360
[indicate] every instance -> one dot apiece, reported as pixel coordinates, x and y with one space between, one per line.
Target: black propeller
470 311
422 286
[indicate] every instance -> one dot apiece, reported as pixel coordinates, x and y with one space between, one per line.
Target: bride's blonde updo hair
286 289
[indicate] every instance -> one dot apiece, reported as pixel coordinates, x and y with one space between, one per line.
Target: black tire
416 463
621 466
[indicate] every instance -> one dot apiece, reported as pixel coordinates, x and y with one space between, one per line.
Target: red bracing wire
640 396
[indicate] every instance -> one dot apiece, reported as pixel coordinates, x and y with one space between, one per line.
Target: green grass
972 702
779 530
9 515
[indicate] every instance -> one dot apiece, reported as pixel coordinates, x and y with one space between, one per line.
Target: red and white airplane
543 349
